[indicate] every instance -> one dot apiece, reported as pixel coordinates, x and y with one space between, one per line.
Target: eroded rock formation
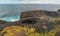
38 19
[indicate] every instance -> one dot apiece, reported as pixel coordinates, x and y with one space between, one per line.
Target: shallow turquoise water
11 18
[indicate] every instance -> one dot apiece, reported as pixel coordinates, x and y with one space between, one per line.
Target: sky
31 1
26 0
16 9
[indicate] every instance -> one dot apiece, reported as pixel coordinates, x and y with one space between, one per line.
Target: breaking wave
11 18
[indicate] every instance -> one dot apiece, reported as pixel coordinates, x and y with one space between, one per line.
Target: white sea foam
11 19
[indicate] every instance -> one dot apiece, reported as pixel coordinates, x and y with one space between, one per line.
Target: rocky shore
38 19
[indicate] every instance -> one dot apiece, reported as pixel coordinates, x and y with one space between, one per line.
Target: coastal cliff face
38 19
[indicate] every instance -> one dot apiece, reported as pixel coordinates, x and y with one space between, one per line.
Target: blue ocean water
11 18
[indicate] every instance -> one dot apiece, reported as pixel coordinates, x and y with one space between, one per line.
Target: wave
11 18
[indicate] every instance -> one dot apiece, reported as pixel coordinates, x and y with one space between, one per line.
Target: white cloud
30 1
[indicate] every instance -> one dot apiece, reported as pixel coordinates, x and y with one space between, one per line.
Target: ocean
11 18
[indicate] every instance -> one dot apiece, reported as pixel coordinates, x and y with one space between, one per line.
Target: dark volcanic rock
36 19
38 13
38 23
2 22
